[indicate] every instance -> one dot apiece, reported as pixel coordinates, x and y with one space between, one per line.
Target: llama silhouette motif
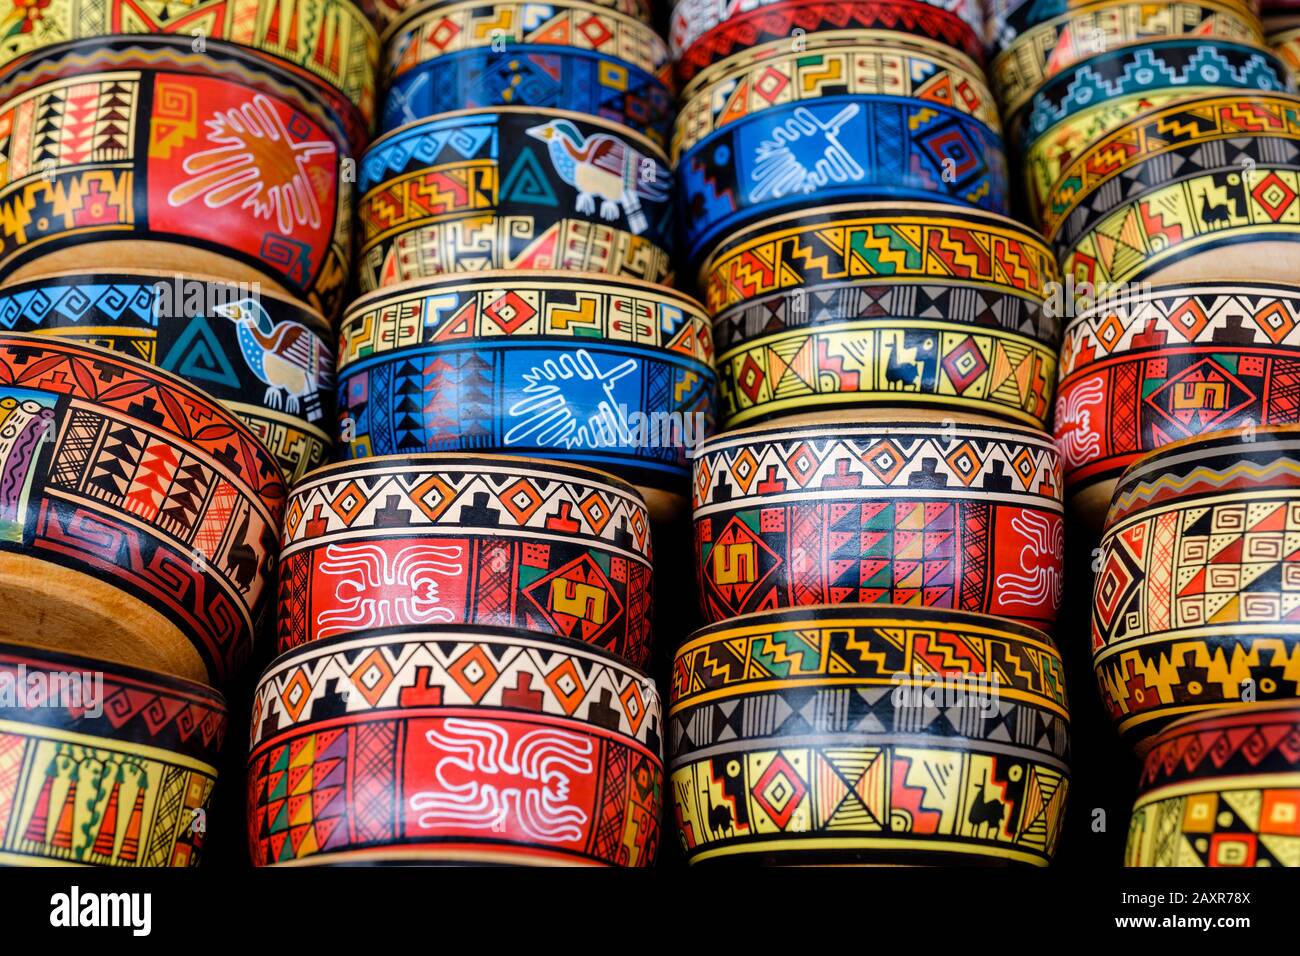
601 167
720 822
242 561
986 812
1215 215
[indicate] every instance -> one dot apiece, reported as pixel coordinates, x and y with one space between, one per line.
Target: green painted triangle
527 182
198 354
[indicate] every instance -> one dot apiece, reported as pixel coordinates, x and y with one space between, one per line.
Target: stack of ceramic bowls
518 248
886 359
465 599
177 243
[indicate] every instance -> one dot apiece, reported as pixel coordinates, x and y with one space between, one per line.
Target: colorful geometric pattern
454 27
983 307
1197 597
555 77
806 736
486 745
837 149
890 362
878 62
870 241
145 482
691 19
1182 219
1152 367
268 359
600 371
1054 45
744 29
450 539
83 163
1173 132
1043 160
1158 65
114 771
330 39
1222 791
901 514
513 188
471 667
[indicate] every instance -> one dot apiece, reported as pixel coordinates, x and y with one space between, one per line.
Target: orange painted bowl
432 540
813 736
329 46
138 516
104 765
1196 604
1154 364
1221 790
960 512
454 745
139 151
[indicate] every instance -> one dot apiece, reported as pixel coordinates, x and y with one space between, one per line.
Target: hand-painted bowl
266 357
795 20
837 148
514 188
1159 363
138 516
140 152
328 43
1221 790
1045 49
609 372
956 513
691 19
869 735
454 745
570 55
103 765
879 62
458 539
383 13
879 304
1196 604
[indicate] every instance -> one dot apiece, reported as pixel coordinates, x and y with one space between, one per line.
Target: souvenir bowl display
857 133
1221 790
266 357
513 188
454 745
138 516
140 152
609 372
894 509
329 44
869 735
432 540
1196 604
878 304
570 55
1155 364
105 765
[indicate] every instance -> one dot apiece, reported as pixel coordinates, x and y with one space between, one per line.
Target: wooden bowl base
45 605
